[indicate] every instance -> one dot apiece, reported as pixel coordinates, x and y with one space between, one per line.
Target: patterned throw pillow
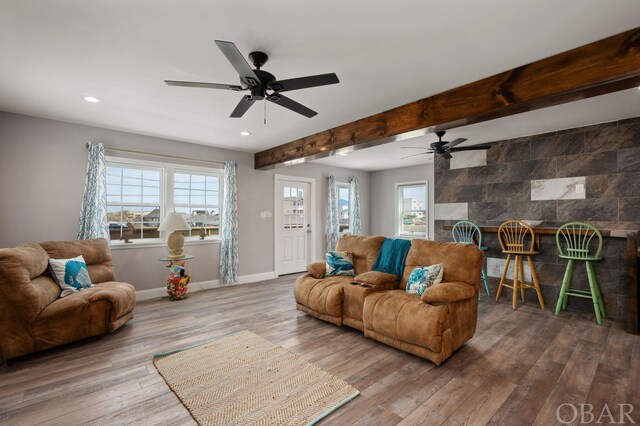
339 263
423 277
71 275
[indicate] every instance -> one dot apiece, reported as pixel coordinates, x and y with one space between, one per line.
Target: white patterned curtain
93 212
355 223
333 216
228 273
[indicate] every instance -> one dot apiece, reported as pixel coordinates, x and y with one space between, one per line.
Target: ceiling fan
261 84
444 148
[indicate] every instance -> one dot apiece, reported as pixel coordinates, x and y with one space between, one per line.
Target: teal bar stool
576 241
466 232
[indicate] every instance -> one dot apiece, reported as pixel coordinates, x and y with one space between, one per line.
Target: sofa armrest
376 278
448 292
317 269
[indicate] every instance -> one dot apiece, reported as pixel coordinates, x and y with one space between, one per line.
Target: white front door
293 204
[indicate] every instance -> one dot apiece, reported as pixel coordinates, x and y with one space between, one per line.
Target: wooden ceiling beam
601 67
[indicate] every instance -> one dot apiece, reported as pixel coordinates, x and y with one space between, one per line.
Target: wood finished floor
520 366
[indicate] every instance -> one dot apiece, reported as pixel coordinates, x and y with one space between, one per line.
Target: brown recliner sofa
32 314
431 326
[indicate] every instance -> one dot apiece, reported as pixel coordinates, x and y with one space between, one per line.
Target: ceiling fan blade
470 148
437 145
414 147
237 60
447 155
291 104
455 142
204 85
242 107
415 155
304 82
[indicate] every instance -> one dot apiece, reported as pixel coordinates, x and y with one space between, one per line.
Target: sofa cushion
403 316
424 276
363 249
322 295
96 253
339 263
24 280
71 275
462 262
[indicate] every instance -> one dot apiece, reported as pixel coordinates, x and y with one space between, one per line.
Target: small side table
178 280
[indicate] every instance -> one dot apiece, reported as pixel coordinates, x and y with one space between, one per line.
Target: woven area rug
245 379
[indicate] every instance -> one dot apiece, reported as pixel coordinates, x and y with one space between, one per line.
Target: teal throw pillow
423 277
71 275
339 263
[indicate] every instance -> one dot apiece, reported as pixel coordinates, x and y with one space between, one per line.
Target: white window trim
398 208
166 199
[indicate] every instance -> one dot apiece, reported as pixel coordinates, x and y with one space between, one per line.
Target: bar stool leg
522 287
535 283
485 281
566 282
504 275
593 286
515 282
600 301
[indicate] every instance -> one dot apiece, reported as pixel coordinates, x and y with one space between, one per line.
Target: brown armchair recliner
32 314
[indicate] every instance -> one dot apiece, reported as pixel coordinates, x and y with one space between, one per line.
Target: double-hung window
134 196
141 193
197 196
411 216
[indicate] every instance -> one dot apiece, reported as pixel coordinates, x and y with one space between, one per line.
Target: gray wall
383 196
42 168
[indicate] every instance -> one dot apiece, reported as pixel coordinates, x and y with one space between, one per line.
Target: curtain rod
129 151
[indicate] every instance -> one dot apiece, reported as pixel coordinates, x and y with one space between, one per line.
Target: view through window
197 196
412 213
138 198
343 206
133 196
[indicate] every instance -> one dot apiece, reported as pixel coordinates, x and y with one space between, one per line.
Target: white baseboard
154 293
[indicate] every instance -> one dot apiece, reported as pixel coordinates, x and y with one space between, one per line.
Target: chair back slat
466 232
579 242
516 236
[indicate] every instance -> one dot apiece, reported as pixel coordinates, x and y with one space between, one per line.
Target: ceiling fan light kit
261 84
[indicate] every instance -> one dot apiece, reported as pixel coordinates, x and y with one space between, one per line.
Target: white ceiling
385 54
601 109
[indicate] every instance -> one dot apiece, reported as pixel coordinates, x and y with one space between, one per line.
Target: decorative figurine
202 233
126 235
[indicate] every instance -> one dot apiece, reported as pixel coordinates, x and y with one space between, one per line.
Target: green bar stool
575 242
466 232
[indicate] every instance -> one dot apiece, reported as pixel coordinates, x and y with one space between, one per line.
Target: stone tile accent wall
589 174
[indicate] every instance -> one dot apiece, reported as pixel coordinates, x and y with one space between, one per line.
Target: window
343 205
411 219
141 193
133 196
293 207
197 196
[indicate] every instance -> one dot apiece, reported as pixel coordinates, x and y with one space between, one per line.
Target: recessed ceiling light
245 133
92 99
